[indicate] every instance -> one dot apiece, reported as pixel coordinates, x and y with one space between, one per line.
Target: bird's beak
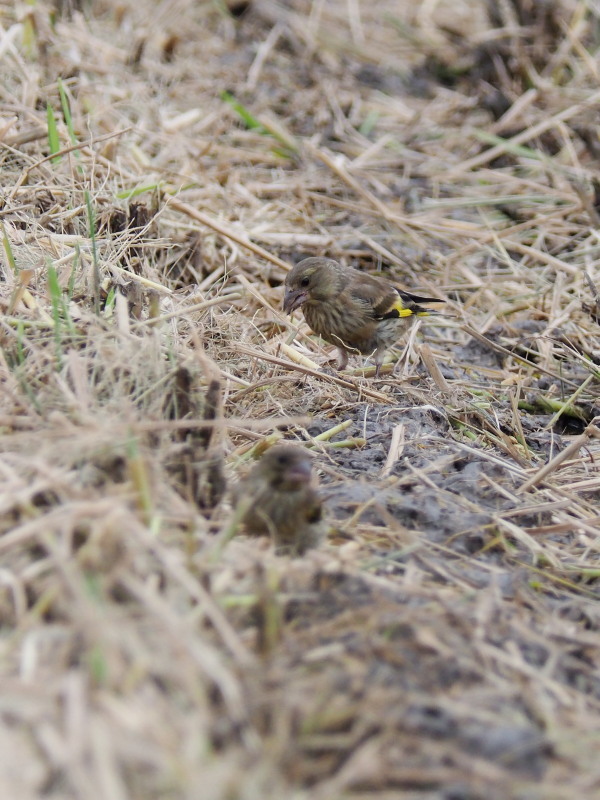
299 473
293 299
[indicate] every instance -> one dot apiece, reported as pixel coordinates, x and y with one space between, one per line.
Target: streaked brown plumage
357 312
281 500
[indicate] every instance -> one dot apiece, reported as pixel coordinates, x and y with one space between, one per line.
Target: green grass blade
57 315
512 149
53 138
129 193
20 342
73 275
92 232
66 109
110 302
29 36
266 128
369 122
246 116
8 250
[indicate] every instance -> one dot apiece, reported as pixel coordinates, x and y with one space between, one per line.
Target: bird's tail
409 305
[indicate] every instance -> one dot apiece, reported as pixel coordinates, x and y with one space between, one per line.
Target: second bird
358 313
278 498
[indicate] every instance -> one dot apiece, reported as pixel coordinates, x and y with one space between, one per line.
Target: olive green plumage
357 312
278 498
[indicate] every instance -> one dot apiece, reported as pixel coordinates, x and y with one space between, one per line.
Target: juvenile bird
358 313
281 501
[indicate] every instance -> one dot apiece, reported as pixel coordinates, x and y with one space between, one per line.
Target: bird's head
286 467
312 279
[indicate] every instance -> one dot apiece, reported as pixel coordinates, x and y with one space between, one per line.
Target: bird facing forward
278 498
358 313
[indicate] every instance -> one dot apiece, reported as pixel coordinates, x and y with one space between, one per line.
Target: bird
279 498
357 312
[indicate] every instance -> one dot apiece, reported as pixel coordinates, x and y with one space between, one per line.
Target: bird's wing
314 509
385 300
377 295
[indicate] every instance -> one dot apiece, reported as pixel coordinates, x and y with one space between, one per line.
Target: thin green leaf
246 116
92 232
66 109
8 250
369 122
513 149
73 274
53 138
57 315
29 36
110 302
129 193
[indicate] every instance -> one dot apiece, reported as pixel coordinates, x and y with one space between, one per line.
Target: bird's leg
379 356
342 359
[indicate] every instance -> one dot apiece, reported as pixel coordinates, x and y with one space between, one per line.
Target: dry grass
444 644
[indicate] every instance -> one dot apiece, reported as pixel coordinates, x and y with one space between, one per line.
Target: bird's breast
338 324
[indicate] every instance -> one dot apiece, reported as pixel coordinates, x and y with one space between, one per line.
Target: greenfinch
278 498
358 313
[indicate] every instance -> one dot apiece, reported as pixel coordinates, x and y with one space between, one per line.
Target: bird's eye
305 281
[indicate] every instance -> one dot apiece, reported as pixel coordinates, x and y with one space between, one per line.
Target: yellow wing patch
399 309
397 304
